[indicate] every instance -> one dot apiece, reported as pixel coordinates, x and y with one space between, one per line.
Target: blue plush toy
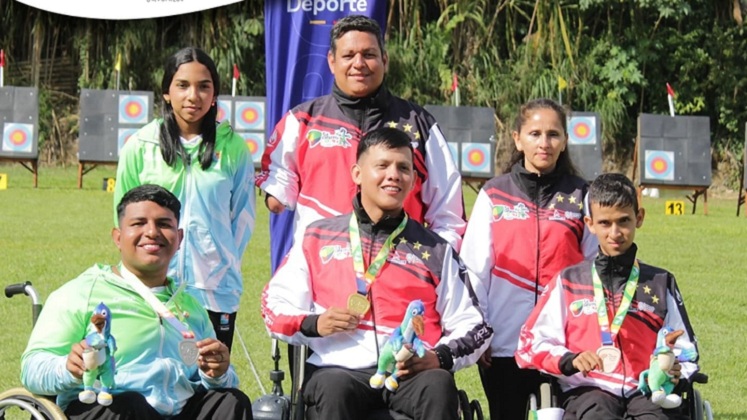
98 358
402 344
656 380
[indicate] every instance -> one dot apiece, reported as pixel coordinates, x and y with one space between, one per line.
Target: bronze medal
358 304
610 356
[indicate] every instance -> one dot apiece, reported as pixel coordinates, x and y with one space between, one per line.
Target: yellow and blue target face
476 157
249 115
659 165
18 137
582 130
224 111
123 136
133 109
256 144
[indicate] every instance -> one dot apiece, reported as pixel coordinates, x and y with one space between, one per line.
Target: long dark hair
564 163
171 146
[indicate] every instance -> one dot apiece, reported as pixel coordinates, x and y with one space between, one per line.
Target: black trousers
337 393
213 404
507 388
224 325
588 403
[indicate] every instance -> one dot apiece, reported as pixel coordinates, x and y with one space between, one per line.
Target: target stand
108 118
673 153
470 133
19 127
247 116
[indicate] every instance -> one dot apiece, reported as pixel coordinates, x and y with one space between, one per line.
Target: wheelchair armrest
699 378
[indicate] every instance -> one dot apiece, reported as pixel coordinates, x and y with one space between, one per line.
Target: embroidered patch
337 252
583 307
518 212
340 138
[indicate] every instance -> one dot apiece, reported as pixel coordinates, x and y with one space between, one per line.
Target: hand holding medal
335 320
213 357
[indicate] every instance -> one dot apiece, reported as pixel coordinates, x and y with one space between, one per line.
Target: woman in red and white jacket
526 225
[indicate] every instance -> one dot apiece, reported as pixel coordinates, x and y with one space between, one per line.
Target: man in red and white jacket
563 335
308 299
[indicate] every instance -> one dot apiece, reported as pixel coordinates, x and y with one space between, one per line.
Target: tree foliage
616 55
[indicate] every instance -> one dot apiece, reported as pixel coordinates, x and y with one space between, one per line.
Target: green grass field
50 234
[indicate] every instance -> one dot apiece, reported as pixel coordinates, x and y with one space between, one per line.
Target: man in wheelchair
569 335
323 296
168 362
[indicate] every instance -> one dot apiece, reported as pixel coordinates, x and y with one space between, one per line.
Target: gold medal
358 304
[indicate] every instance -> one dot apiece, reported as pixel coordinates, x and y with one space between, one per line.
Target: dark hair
613 190
171 146
150 192
355 23
391 138
564 163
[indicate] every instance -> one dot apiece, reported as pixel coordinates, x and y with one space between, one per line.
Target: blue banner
296 46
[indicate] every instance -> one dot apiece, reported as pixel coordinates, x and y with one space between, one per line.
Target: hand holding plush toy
402 344
98 358
656 379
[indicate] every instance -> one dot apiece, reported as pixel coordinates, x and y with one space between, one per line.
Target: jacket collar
614 271
531 183
366 110
385 225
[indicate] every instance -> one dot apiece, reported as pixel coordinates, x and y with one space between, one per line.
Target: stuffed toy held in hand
656 380
402 344
98 358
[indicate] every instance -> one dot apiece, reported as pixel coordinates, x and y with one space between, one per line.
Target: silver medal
188 351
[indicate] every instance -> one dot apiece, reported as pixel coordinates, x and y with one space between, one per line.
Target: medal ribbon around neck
610 331
153 301
365 277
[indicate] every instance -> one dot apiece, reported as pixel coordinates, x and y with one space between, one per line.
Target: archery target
476 157
133 109
250 115
18 137
453 147
659 165
224 110
123 136
582 130
256 144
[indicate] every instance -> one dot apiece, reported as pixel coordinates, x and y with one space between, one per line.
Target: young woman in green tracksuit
209 168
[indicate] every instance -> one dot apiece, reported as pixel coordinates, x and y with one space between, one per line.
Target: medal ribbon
609 332
365 277
153 301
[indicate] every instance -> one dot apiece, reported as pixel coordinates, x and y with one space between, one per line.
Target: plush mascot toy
402 344
656 380
98 358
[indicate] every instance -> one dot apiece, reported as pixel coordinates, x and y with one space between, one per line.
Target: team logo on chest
583 307
340 138
518 212
336 252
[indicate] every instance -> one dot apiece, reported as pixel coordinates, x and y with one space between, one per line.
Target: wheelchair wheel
707 410
464 407
476 410
38 406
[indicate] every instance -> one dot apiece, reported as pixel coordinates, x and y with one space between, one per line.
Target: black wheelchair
469 410
40 407
697 408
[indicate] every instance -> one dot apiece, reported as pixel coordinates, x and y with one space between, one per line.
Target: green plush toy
656 380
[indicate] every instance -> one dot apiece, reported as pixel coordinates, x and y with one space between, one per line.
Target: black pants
213 404
337 393
223 324
507 388
588 403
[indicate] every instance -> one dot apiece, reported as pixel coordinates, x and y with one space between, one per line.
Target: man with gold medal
345 287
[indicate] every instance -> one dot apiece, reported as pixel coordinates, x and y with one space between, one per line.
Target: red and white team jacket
307 162
564 323
523 230
318 274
